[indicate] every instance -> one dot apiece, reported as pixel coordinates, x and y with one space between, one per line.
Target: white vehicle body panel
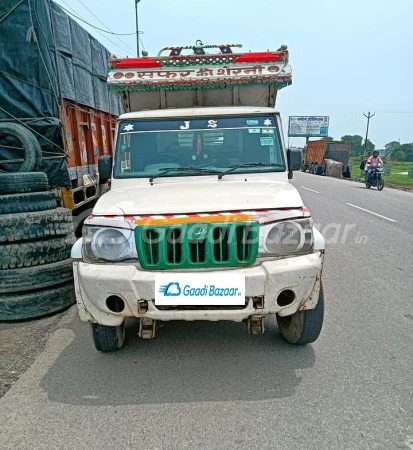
198 194
95 283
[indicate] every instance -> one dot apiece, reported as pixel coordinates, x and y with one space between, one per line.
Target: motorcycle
376 179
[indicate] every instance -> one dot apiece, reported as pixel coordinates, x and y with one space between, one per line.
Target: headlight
108 244
289 237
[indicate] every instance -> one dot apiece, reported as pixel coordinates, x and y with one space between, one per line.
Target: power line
394 112
94 26
115 34
143 46
105 37
347 120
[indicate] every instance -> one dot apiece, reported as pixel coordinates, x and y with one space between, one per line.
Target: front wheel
108 339
303 327
380 184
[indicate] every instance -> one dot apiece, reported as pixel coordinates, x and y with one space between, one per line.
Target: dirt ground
20 343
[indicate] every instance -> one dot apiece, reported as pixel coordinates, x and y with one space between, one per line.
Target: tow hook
147 328
142 306
256 324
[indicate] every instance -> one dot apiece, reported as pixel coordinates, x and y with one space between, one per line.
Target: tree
328 138
356 141
400 156
408 150
391 148
369 146
394 147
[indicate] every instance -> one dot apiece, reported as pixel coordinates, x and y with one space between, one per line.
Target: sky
347 57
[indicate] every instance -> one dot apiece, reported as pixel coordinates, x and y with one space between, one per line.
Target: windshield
145 148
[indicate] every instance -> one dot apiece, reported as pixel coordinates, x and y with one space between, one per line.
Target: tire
18 182
35 225
30 305
380 184
303 327
108 339
32 150
36 278
29 202
35 253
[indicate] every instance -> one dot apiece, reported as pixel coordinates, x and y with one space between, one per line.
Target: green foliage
355 140
400 156
392 147
395 151
357 145
408 150
370 146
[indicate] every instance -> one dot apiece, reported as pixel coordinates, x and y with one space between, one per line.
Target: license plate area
199 289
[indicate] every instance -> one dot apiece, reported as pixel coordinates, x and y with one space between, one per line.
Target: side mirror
290 172
105 168
296 157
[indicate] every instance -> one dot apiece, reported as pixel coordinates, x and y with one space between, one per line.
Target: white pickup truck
201 221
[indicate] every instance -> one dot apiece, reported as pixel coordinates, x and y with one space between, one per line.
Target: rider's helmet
376 153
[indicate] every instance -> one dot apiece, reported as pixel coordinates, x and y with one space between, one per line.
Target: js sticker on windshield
187 124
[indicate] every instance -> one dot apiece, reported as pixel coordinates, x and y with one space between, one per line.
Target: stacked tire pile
36 275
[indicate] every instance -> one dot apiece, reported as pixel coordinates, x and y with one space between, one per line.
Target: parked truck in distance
316 152
201 221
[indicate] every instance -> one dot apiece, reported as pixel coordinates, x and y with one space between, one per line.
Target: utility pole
137 27
368 116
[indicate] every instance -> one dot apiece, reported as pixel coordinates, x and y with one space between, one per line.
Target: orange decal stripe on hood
219 218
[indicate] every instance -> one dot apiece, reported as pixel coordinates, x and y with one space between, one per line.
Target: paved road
212 386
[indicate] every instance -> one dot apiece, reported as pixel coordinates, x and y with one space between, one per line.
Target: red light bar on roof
137 63
259 57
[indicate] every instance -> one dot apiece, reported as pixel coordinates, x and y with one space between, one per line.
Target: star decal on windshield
267 122
128 127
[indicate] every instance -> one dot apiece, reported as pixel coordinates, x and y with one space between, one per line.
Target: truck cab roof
197 112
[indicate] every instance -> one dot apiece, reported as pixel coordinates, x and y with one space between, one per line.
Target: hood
199 197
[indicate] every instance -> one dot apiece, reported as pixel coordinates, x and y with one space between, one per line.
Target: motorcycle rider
364 161
372 162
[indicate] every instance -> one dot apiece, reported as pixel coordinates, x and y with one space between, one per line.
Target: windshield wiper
183 169
250 164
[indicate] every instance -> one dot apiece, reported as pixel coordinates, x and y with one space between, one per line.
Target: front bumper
95 283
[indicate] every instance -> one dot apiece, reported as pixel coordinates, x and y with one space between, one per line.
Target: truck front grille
191 246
